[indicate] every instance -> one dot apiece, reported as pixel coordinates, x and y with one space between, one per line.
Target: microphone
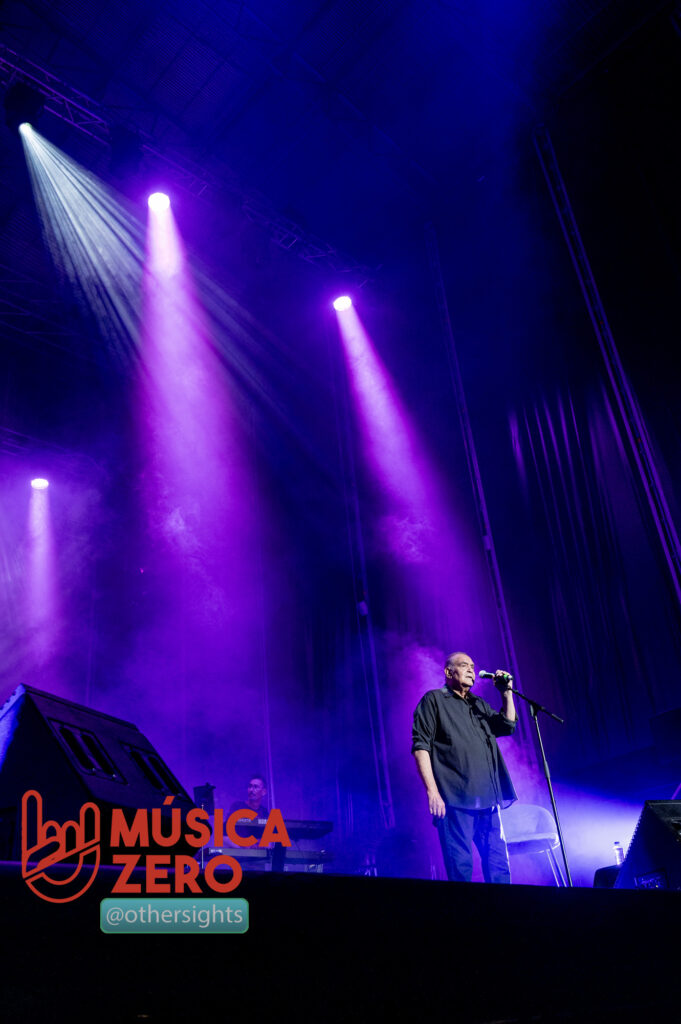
492 675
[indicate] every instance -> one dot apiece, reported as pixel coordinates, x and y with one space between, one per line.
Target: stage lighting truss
88 117
287 235
64 462
28 309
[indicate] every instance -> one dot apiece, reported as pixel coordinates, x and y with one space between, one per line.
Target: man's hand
502 680
436 804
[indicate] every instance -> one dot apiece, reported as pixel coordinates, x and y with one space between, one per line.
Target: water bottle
619 853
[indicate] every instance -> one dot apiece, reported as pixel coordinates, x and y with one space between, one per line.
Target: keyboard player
255 799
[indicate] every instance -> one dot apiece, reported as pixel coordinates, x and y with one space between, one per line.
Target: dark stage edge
334 948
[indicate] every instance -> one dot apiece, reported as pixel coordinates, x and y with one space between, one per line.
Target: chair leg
555 868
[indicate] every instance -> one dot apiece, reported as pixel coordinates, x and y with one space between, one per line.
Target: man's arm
436 804
507 705
503 723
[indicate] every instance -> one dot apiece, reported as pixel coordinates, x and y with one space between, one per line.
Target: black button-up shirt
460 736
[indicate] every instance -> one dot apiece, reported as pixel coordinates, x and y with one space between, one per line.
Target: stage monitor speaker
654 857
71 754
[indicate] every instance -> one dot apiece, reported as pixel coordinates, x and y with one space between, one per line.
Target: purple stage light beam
191 428
417 524
199 497
165 253
42 613
93 238
391 444
184 399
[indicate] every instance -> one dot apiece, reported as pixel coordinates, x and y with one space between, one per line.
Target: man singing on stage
458 758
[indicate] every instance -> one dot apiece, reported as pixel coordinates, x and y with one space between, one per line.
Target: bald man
459 761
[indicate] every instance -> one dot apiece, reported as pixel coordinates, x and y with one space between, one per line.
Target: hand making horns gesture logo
46 844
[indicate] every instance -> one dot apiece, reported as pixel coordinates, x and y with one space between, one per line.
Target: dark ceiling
342 117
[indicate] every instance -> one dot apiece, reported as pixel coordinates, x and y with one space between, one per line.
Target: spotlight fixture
341 303
158 201
23 104
40 484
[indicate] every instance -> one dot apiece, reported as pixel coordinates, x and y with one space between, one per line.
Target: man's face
460 673
256 793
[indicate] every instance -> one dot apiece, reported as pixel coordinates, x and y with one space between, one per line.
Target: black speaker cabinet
72 755
654 857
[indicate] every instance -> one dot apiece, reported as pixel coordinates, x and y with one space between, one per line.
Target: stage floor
333 948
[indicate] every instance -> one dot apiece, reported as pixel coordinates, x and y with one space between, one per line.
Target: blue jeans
459 829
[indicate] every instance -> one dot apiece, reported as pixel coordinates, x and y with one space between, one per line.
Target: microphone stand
535 708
